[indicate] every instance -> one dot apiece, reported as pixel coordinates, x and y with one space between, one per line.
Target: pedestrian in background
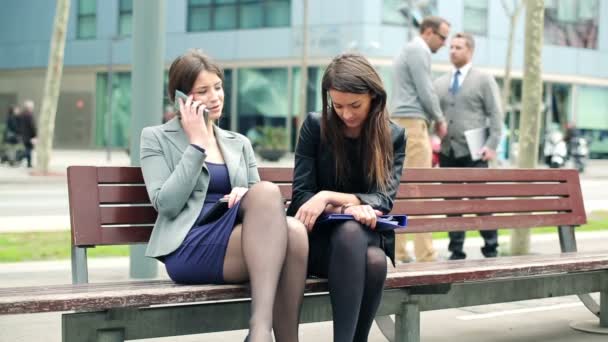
470 100
27 129
414 106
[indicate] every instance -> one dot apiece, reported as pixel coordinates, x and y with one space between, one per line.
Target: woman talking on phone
189 164
349 160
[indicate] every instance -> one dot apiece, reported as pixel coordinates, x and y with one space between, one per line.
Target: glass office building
259 43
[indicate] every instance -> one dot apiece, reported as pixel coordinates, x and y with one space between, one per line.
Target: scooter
555 150
579 152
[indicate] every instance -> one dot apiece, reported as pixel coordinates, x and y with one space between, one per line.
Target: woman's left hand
364 214
309 212
235 195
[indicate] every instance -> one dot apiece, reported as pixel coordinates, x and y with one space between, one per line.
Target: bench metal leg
407 323
567 239
117 335
567 242
387 327
80 272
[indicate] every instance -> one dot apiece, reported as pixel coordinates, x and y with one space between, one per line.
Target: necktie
455 82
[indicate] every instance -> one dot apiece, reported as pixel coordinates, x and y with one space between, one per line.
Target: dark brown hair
185 69
352 73
432 22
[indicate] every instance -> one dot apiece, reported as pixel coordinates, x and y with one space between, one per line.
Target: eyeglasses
443 38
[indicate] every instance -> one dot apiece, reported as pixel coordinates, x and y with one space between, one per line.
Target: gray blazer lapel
175 134
470 75
232 151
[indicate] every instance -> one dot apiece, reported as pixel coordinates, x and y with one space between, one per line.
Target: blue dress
200 257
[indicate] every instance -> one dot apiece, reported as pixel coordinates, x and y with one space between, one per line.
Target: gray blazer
413 94
475 105
177 178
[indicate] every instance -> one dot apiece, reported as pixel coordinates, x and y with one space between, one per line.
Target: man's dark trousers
490 237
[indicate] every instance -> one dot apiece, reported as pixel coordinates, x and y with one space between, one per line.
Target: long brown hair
352 73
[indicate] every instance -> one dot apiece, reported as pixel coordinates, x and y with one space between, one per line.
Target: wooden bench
110 206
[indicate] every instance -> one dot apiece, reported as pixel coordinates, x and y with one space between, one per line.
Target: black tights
350 257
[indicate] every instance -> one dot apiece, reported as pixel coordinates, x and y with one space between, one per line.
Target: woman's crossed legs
271 252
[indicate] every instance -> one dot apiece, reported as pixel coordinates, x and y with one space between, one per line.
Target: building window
572 23
591 117
112 125
213 15
262 98
396 12
87 19
125 17
475 17
226 119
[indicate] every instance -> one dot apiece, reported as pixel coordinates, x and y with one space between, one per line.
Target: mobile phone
216 211
180 95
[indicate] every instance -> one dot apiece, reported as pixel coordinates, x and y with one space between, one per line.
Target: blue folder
384 222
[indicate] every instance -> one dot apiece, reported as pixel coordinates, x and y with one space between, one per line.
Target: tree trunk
531 104
52 85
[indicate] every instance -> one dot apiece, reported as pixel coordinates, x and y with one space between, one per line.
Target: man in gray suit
469 99
414 106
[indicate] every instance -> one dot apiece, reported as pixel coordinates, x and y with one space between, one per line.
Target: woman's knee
376 263
349 232
266 189
298 238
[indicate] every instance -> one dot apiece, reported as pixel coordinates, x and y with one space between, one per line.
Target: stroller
11 148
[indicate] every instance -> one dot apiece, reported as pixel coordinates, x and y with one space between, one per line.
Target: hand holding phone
180 95
218 209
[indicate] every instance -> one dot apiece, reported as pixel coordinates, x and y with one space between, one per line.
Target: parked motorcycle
555 150
579 152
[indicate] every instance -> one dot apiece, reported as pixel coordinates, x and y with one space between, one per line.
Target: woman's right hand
193 121
310 211
364 214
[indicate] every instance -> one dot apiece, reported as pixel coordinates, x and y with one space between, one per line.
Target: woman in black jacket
349 160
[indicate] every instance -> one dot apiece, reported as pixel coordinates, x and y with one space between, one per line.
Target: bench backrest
110 205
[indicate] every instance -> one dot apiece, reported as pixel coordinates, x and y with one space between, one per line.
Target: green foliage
271 138
34 246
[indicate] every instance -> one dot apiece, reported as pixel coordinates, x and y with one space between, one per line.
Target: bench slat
129 194
447 224
140 294
126 215
137 194
480 206
122 174
480 190
276 174
459 175
124 235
